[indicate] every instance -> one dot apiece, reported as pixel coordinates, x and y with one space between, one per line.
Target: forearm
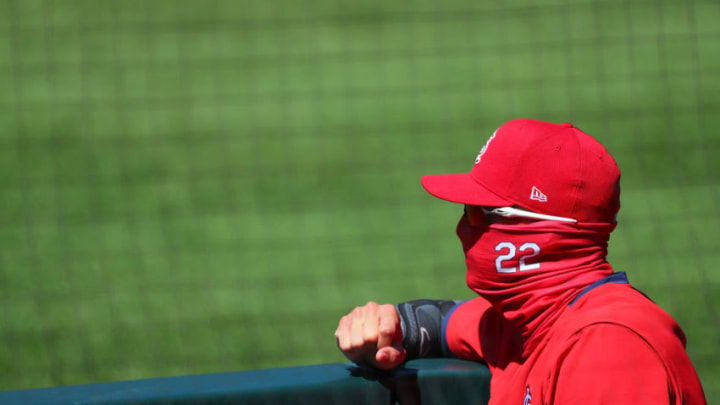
421 322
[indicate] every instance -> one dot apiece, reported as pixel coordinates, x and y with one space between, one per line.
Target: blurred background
193 187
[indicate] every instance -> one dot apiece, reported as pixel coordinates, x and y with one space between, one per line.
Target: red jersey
611 345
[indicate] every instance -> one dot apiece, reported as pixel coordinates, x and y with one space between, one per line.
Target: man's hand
372 335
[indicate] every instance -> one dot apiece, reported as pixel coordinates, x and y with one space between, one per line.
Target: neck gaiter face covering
530 272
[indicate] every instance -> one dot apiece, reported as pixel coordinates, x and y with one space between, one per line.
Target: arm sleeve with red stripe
469 330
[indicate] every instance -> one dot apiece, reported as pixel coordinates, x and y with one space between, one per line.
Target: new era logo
537 195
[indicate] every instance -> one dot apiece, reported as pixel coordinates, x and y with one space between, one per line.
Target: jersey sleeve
610 364
473 330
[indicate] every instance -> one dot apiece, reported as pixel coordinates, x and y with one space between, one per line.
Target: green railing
426 381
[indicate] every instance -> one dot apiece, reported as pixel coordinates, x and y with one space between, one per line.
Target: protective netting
193 187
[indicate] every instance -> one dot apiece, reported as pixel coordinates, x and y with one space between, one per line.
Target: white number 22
533 249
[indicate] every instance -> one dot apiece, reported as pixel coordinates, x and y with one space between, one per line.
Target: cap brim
461 188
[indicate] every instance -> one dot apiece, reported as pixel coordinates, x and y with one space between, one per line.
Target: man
553 322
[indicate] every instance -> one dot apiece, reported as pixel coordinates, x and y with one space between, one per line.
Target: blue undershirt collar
617 278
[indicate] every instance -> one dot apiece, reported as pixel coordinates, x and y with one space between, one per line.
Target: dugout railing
425 381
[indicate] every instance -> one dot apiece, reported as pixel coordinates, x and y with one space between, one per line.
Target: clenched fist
372 335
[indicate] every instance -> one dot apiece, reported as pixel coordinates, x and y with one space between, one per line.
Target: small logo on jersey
528 397
537 195
424 339
484 148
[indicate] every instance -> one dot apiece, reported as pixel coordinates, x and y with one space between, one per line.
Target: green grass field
193 187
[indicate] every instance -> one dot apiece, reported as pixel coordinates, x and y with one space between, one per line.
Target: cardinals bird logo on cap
484 148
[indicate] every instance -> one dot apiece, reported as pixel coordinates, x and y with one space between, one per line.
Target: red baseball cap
553 169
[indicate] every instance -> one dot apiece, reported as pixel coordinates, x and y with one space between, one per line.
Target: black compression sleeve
421 322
